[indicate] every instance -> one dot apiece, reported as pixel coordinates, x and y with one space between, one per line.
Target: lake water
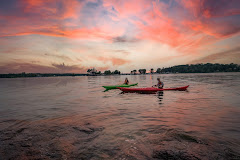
72 118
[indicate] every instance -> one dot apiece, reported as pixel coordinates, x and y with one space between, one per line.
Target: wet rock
88 130
185 137
25 145
170 155
20 130
230 154
84 130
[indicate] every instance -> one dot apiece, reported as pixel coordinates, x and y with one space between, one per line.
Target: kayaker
126 81
160 84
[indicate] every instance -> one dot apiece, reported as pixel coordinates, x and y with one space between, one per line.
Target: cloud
114 30
188 29
126 9
228 56
37 68
124 39
50 18
151 22
215 18
68 68
58 9
124 52
62 57
212 8
114 60
25 67
83 33
71 19
217 29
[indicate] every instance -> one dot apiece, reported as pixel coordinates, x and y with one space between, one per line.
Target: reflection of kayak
151 89
121 85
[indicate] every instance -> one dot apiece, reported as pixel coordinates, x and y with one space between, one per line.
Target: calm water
72 118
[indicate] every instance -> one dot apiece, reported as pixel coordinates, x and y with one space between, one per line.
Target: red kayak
151 89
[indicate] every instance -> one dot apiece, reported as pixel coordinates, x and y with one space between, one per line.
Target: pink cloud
210 8
37 68
183 25
189 32
50 9
130 8
210 17
82 33
227 56
152 23
215 29
47 18
114 60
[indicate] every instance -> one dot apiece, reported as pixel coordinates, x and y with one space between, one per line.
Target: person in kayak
160 84
126 81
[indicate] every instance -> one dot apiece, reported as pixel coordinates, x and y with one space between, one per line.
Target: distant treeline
192 68
108 72
201 68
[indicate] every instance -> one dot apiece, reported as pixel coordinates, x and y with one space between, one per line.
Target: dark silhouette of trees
116 72
192 68
201 68
92 71
107 72
89 70
134 71
142 71
159 70
151 70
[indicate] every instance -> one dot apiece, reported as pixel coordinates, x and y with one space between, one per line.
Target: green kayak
121 85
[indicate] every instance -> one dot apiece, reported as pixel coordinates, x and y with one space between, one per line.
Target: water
72 118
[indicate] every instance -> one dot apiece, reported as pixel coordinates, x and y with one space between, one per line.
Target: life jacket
161 84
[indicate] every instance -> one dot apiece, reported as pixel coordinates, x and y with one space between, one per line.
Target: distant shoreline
192 68
34 75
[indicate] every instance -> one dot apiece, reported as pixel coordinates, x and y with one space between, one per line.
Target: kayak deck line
151 89
121 85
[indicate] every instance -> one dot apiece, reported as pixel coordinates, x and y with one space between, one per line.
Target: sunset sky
50 36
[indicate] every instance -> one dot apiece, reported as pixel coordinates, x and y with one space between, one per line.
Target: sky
71 36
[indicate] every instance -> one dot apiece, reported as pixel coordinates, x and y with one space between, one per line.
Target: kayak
151 89
121 85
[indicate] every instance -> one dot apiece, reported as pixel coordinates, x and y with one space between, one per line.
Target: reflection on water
73 118
106 90
160 96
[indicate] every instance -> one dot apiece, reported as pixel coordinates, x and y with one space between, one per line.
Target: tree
202 68
116 72
151 70
134 71
142 71
107 72
158 70
89 70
